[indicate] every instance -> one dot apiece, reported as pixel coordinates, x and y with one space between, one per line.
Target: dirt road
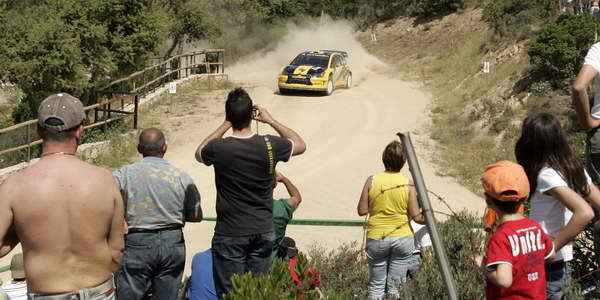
345 133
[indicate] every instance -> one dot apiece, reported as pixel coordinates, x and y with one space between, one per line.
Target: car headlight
318 74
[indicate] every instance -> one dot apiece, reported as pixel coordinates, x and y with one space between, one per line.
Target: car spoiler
343 53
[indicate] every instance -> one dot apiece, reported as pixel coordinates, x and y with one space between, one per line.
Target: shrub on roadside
517 17
278 284
343 270
431 8
463 240
559 50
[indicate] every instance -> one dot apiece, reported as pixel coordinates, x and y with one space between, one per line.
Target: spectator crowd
89 234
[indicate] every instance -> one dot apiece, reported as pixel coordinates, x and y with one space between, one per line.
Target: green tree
559 50
190 21
517 17
73 46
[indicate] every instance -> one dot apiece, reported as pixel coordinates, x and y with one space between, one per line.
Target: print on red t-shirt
524 245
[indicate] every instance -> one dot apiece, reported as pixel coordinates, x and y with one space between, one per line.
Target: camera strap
270 155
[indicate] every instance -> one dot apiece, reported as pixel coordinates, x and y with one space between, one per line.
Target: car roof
326 53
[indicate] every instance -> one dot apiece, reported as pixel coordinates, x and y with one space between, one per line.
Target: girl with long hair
560 192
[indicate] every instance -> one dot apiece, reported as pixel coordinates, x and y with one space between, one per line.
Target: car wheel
283 91
349 81
329 89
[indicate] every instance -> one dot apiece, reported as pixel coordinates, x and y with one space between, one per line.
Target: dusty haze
326 34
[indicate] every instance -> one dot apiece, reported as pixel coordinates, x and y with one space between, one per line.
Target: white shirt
16 290
549 212
593 59
422 238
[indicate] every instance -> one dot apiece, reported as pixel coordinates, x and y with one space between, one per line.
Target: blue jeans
103 291
238 255
558 277
152 260
389 259
414 266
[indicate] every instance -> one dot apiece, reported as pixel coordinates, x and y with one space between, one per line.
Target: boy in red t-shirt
514 263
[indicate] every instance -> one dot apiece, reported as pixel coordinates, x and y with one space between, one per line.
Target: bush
508 17
559 50
343 270
278 284
463 240
541 88
431 8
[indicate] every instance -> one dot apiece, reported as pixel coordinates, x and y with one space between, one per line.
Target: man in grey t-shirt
159 199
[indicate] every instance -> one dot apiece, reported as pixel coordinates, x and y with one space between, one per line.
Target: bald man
159 199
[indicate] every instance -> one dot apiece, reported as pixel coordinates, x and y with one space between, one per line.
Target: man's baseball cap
505 181
17 269
60 112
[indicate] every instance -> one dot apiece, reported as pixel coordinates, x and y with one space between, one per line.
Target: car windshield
311 60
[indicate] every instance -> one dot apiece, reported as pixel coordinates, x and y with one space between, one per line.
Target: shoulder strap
270 155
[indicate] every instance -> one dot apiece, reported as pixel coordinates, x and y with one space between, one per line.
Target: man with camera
244 165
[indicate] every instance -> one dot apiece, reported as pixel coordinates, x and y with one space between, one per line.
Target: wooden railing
120 98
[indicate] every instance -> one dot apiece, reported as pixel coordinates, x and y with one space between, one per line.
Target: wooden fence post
28 144
135 111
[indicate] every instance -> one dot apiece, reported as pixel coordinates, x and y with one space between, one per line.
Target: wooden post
218 60
194 64
135 111
187 66
28 144
105 117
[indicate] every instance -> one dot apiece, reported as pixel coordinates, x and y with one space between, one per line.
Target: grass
474 120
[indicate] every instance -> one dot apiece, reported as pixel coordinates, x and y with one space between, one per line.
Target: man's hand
263 115
279 176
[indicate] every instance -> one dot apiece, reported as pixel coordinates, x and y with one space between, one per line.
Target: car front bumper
302 83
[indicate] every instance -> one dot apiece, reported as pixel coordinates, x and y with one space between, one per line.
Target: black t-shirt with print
244 176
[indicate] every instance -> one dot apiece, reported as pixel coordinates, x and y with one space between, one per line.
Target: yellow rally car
321 70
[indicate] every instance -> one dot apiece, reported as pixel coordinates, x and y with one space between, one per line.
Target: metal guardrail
113 98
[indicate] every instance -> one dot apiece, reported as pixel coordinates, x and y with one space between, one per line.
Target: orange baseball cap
505 176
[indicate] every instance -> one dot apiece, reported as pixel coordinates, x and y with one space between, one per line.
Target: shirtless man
67 214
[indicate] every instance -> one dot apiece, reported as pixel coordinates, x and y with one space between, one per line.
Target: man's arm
9 242
295 197
116 241
218 133
580 97
8 236
593 198
192 208
363 202
283 131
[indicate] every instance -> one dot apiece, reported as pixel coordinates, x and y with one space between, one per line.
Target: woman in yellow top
390 199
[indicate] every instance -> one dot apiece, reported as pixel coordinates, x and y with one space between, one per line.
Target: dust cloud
264 67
